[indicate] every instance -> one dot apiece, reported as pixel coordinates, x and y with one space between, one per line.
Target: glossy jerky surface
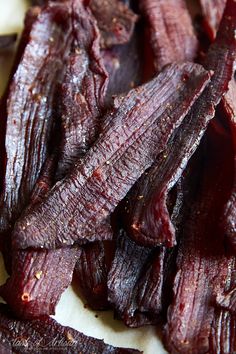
132 135
45 335
150 223
30 108
171 34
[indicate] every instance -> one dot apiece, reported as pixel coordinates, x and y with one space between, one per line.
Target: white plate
70 310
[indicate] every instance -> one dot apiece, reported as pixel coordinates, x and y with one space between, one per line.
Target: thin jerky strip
91 275
116 21
135 282
29 111
7 40
83 90
202 269
150 222
133 134
171 32
212 12
45 335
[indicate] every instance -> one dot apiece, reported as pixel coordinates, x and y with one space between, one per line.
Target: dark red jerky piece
116 21
135 282
82 92
172 37
7 40
91 275
124 65
132 135
212 12
202 270
45 335
229 217
151 225
223 334
38 279
29 110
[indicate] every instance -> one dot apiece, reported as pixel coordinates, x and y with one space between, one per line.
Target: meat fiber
116 21
202 270
170 30
44 335
151 225
212 12
77 208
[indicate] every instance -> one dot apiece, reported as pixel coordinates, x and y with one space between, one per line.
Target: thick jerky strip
39 277
45 335
223 333
78 207
116 21
82 92
7 40
229 216
91 275
150 222
170 30
135 282
202 269
29 107
212 12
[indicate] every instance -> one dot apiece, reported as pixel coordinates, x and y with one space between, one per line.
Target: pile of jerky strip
118 168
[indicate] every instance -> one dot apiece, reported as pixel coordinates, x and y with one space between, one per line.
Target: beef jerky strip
45 335
170 30
229 217
29 110
223 333
40 277
202 269
135 282
149 221
212 12
7 40
116 21
91 275
82 92
78 207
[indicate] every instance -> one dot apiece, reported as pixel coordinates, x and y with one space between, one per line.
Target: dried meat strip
149 220
45 335
83 91
212 12
202 270
30 107
7 40
77 208
115 19
85 78
135 282
91 275
171 32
